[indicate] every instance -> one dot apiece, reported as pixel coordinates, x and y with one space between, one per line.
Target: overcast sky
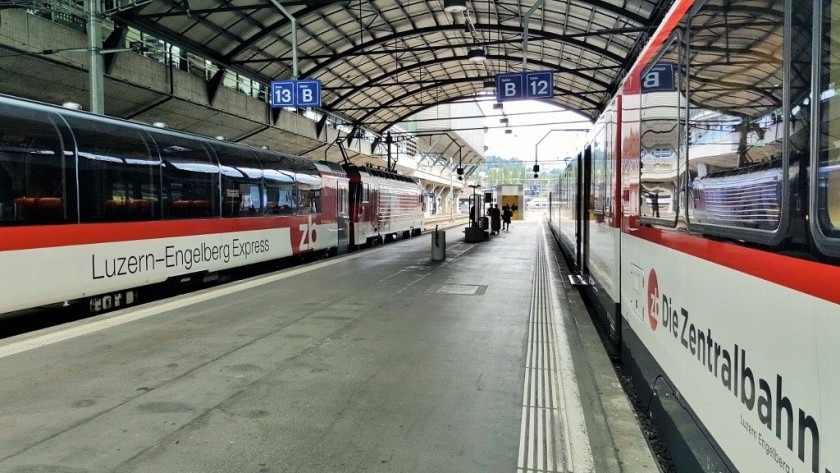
521 143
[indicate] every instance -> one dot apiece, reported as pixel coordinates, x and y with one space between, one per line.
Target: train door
343 215
582 217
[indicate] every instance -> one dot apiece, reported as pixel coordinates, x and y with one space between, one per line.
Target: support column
445 195
96 70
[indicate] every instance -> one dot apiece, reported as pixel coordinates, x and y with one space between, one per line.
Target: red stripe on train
668 26
810 277
32 237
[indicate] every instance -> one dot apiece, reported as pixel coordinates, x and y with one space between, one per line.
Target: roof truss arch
378 60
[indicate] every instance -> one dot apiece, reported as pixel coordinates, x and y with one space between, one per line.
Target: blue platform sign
509 87
308 93
283 93
295 93
539 85
526 85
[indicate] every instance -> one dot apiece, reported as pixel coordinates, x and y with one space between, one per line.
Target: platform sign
523 86
295 93
283 93
509 87
539 85
308 93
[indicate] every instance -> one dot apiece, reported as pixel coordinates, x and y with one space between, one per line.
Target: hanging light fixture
477 55
498 106
454 6
504 120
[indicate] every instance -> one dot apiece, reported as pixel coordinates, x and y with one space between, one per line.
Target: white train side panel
78 271
756 361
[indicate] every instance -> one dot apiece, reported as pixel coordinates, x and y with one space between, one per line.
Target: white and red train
92 208
704 214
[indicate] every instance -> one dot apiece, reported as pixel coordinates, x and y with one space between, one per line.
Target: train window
279 196
37 174
603 156
342 199
119 177
279 192
568 196
309 193
598 185
242 181
190 178
826 186
662 105
735 129
365 193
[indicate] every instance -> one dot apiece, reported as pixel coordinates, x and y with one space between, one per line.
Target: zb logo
653 300
308 235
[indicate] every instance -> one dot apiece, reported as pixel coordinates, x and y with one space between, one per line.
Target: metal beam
343 98
319 127
549 36
213 85
406 50
352 134
115 40
425 106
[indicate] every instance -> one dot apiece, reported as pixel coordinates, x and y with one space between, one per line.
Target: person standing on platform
495 219
506 215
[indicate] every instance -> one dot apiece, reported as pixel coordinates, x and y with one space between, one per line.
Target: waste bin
438 245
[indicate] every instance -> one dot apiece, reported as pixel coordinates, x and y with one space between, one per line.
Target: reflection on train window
35 171
119 179
342 199
568 194
279 193
828 184
242 178
663 105
365 192
190 179
309 193
735 127
598 183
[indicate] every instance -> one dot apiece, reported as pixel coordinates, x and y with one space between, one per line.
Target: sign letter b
306 95
510 89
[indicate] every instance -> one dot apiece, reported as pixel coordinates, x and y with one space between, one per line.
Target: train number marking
111 301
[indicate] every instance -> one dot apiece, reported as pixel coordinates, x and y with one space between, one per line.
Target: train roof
288 161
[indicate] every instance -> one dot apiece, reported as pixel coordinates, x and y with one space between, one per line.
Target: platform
379 361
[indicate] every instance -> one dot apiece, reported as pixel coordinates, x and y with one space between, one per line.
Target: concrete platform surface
379 361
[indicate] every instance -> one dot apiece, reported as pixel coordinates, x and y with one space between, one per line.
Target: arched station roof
381 61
